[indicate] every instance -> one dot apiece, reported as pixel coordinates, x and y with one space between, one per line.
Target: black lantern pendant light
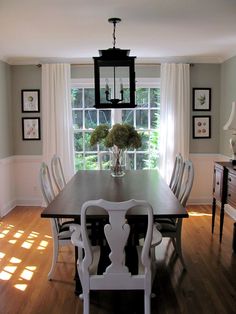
114 76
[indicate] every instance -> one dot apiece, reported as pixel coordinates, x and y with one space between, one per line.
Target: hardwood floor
208 285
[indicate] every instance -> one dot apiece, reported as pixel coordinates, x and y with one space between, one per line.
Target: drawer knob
229 195
217 183
230 179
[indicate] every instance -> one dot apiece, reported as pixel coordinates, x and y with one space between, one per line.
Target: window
145 118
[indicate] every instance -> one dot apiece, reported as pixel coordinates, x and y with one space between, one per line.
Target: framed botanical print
30 100
201 99
31 128
201 126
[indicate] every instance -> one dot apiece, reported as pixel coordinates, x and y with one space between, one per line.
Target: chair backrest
48 194
116 233
175 177
57 172
46 184
187 182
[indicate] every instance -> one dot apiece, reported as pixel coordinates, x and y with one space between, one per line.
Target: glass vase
117 162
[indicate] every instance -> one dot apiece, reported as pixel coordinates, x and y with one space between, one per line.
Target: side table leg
221 221
213 215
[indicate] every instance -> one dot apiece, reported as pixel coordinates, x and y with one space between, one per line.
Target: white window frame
116 114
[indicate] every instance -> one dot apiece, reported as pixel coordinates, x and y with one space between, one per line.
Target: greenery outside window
145 118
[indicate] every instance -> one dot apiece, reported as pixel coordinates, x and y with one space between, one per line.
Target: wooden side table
224 190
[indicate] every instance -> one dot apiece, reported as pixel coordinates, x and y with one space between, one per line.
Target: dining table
87 185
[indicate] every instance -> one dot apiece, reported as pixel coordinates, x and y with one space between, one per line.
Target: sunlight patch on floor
2 255
21 286
18 234
198 214
15 260
23 240
5 275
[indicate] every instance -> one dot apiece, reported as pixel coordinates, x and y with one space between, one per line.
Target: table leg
213 215
78 287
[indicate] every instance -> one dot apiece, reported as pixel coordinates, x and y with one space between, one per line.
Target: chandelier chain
114 34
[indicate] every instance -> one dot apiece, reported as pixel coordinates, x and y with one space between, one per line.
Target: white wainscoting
7 186
203 177
19 180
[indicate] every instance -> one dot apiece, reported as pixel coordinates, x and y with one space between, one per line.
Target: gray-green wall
87 71
208 76
228 94
24 77
220 78
6 123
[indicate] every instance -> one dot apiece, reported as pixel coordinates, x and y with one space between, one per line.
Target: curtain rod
80 64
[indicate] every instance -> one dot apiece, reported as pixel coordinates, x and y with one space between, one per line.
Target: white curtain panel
57 116
174 115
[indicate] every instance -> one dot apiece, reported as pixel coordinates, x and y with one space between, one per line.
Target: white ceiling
37 31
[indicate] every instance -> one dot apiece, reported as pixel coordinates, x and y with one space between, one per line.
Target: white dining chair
57 172
170 227
116 276
61 233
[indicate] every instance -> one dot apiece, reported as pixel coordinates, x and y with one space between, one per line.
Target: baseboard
29 202
200 201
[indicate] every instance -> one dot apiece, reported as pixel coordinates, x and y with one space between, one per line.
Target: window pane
154 140
91 162
128 116
153 118
142 97
131 160
103 96
141 161
126 95
79 162
89 97
87 146
90 119
105 117
145 141
77 116
154 97
76 97
78 141
105 160
142 119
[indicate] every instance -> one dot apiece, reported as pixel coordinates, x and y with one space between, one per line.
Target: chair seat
166 226
156 237
161 221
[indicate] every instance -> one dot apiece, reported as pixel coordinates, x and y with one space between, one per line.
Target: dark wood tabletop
94 184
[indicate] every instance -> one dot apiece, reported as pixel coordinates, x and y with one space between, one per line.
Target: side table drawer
231 195
232 179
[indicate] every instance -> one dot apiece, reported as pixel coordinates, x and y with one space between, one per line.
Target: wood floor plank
208 286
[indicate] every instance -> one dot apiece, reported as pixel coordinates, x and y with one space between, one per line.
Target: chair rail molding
19 180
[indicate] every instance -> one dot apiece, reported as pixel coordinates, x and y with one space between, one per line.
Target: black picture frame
30 100
202 99
201 127
31 129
